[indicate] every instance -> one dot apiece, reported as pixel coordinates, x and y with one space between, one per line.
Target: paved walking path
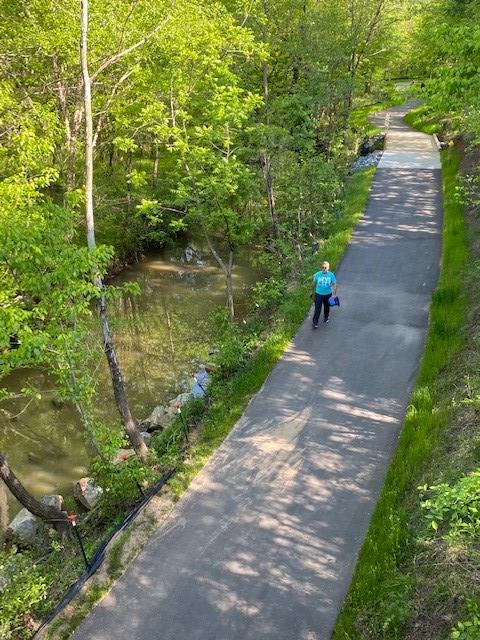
264 543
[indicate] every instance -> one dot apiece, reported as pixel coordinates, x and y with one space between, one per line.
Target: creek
161 336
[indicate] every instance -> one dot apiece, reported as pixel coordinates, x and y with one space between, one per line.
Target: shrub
22 588
232 350
468 629
267 292
455 510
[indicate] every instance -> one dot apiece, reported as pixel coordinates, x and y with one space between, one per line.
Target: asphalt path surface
264 543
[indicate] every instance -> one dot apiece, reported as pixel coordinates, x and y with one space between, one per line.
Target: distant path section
263 544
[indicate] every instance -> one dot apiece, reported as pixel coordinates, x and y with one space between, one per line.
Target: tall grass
377 604
425 119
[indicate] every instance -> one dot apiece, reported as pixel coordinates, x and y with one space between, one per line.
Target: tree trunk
129 182
227 272
109 348
111 157
268 179
3 509
25 498
155 167
229 279
119 386
264 155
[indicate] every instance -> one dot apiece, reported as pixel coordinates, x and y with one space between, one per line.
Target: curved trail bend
263 544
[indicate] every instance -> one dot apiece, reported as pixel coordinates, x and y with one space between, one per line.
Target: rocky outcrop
160 418
181 399
55 500
87 492
147 437
23 528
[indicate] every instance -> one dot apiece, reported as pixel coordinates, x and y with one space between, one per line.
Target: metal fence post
72 518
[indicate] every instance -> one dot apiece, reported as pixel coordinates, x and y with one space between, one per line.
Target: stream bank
161 335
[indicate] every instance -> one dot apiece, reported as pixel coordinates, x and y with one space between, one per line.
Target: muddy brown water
162 334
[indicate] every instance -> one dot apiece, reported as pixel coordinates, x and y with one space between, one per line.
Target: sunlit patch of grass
424 119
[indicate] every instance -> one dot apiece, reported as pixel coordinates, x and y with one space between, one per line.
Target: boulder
191 255
160 418
87 492
23 528
54 500
182 386
155 418
182 399
147 437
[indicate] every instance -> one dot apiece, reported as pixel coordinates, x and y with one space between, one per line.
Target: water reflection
161 335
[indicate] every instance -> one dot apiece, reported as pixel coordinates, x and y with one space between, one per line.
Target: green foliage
468 629
231 346
454 511
46 290
121 481
23 588
448 56
391 610
308 189
267 292
169 445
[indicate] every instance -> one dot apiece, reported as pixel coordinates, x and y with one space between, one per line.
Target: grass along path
397 591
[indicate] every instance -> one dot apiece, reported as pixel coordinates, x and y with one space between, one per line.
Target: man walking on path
324 286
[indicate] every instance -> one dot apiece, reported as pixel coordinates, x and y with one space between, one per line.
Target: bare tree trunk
229 278
155 167
3 509
109 348
268 179
264 155
25 498
227 269
129 182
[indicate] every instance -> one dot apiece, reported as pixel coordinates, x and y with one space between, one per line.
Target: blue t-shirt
323 282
